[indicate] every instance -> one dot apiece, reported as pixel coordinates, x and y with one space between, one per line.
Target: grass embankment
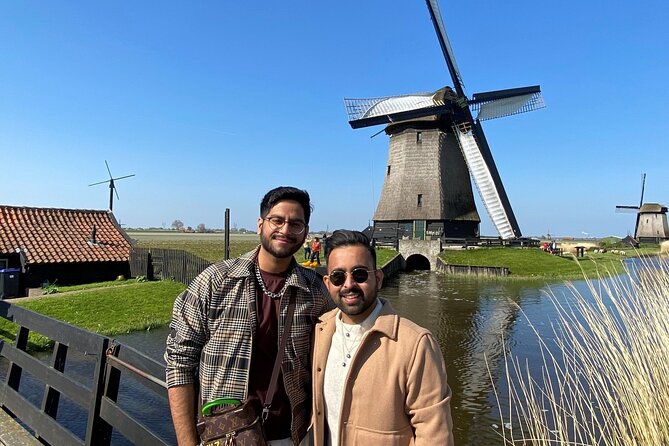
108 310
605 373
536 264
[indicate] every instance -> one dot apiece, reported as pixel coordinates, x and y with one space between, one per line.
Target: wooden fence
94 391
161 264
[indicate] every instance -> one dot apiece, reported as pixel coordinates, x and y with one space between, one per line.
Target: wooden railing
161 264
111 370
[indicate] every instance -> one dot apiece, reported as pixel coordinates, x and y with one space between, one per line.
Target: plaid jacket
213 325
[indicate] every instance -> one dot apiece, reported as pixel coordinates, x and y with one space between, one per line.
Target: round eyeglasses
359 275
294 227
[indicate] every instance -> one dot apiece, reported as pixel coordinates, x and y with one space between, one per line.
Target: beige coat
397 392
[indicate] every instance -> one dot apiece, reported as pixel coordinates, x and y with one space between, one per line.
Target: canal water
475 321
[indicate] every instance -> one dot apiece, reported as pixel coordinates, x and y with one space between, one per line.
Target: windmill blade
99 182
108 170
479 159
446 49
627 209
374 111
113 187
500 103
125 176
643 186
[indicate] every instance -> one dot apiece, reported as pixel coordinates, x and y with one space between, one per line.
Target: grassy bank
535 263
109 310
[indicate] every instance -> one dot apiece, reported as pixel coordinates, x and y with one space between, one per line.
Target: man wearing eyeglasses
225 326
378 378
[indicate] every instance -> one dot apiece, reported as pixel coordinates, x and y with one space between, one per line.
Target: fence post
227 233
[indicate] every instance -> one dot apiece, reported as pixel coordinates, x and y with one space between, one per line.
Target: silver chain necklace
345 350
264 287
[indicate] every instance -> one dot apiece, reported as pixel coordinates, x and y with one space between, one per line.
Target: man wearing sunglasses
378 378
225 327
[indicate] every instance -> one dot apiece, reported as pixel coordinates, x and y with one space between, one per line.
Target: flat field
212 246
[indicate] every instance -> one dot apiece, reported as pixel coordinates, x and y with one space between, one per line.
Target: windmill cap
654 208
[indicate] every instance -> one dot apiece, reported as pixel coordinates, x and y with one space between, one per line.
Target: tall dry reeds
604 379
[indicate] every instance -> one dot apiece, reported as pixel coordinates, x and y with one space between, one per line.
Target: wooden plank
131 429
42 372
77 338
44 426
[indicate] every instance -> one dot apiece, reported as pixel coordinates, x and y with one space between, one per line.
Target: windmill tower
651 218
436 143
112 186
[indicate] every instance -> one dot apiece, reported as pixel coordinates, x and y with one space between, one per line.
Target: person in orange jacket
316 251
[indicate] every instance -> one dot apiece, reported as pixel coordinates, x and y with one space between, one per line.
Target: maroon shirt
263 355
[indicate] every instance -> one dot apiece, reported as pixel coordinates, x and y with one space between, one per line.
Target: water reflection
468 317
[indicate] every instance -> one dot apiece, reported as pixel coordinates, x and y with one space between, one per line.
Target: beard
362 303
280 251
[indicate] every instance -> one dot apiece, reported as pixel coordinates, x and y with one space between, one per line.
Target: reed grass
604 379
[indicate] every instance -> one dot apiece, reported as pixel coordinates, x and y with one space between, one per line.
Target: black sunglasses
359 275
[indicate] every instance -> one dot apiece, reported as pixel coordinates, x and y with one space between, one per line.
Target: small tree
201 228
177 225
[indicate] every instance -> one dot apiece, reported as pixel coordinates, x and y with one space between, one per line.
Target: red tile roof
62 235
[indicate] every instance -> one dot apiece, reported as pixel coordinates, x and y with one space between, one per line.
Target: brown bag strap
279 357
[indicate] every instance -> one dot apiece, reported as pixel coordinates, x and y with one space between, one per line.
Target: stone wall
489 271
429 249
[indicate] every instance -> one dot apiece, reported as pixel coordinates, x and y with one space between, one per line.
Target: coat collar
387 323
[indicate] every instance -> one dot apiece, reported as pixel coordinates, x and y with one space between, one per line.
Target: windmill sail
439 27
389 109
487 180
501 103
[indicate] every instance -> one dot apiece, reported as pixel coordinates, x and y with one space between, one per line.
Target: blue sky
211 104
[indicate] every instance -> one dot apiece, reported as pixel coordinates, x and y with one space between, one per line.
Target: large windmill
435 144
651 218
112 186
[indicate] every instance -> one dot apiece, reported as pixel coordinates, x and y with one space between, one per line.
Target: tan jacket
397 392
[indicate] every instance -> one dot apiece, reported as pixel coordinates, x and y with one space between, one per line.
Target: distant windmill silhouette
112 187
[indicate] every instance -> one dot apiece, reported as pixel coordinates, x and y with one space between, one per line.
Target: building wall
73 273
653 225
430 165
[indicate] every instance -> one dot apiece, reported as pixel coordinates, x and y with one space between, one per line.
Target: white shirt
345 342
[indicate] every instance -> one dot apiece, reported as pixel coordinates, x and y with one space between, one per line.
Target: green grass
535 263
108 310
384 255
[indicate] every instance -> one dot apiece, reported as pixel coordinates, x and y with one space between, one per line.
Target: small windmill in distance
651 219
112 187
